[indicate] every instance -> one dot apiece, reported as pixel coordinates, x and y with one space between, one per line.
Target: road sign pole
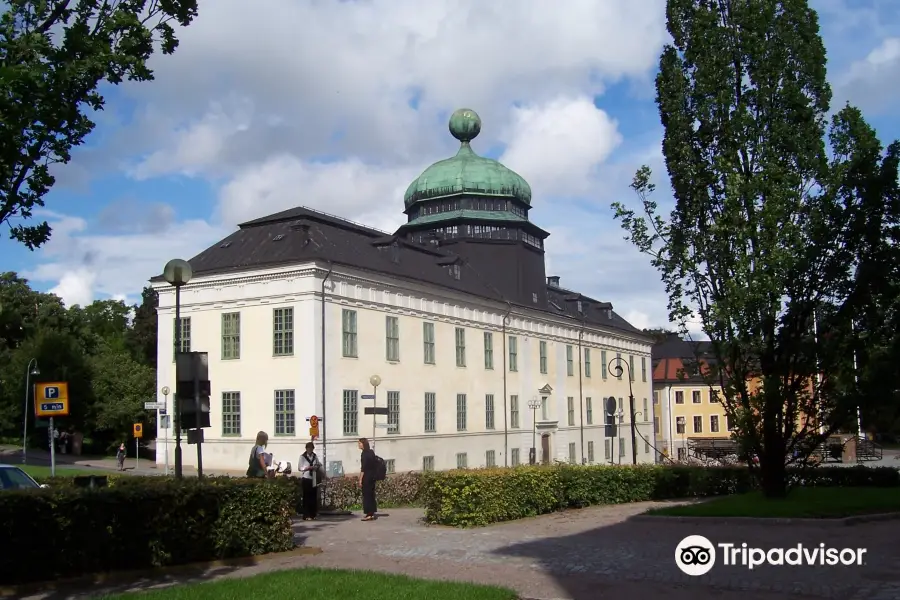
199 410
167 450
137 454
52 450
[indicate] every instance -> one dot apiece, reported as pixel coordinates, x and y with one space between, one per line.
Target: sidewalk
590 554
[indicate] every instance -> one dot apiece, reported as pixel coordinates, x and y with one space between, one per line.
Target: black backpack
380 469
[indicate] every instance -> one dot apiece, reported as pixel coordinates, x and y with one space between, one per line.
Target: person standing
310 471
120 457
257 463
368 471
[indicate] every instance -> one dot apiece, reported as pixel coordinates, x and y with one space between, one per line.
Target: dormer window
224 244
278 237
395 252
580 306
455 271
534 297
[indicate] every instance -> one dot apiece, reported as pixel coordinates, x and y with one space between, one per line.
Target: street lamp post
617 371
177 273
611 410
29 371
533 404
375 380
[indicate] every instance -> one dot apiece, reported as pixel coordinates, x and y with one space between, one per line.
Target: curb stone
828 522
124 577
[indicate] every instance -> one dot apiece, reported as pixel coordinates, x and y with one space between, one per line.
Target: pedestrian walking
368 476
120 457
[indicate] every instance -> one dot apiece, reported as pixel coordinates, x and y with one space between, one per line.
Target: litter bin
91 481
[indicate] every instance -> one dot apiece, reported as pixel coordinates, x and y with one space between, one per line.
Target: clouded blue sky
339 105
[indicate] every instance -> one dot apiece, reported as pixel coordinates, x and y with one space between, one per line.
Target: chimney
553 281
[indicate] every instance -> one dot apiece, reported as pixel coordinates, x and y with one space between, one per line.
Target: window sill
283 355
345 434
231 358
349 356
231 435
391 361
393 432
284 435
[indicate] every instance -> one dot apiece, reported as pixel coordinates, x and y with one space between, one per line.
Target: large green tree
769 230
54 54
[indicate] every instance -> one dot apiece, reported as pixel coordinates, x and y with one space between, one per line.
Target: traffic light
187 404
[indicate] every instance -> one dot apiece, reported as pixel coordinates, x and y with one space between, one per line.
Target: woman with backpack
257 463
368 475
310 474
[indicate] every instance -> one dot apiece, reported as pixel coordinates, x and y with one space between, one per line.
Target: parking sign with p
51 399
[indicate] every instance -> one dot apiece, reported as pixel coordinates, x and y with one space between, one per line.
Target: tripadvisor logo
695 555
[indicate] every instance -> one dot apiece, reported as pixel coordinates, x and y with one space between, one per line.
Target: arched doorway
545 449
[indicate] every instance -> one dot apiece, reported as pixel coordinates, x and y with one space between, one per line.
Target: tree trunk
773 473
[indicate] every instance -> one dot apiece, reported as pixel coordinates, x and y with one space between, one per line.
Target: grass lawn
812 502
323 584
44 472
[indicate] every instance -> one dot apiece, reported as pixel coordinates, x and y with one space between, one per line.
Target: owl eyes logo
695 555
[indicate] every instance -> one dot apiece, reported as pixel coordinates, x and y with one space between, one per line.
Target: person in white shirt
310 474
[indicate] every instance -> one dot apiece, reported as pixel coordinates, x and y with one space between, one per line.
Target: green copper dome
467 173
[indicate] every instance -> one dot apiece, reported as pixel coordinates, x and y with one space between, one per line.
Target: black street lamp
617 371
177 273
533 404
30 371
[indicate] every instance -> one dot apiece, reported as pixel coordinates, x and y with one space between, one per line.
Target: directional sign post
138 434
160 408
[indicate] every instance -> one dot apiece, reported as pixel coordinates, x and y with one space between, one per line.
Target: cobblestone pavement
591 554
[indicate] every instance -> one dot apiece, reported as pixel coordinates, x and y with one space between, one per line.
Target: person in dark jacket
310 471
367 477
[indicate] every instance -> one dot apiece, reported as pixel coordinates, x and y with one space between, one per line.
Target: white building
453 312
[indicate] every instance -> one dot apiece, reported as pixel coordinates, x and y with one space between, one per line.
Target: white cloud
871 83
557 147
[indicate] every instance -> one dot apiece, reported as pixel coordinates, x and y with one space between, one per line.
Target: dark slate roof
301 234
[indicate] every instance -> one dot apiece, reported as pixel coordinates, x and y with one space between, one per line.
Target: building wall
670 411
257 374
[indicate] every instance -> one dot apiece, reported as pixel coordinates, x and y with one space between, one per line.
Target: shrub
140 522
401 489
466 498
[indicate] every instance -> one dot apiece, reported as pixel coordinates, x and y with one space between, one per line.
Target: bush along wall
401 489
471 498
140 522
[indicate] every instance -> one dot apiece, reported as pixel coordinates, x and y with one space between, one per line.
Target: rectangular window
514 459
460 412
428 342
391 465
428 463
513 412
393 416
619 365
543 356
655 397
392 339
348 333
570 364
713 396
231 336
489 411
231 413
631 367
488 350
460 347
589 408
572 456
644 369
545 409
351 412
513 354
490 459
587 362
714 423
571 410
679 425
695 397
603 364
590 452
283 331
729 423
621 447
462 460
646 447
430 412
698 424
607 449
656 425
285 423
682 453
646 412
185 336
679 397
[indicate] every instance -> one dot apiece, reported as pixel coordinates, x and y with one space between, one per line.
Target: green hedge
140 522
467 498
343 493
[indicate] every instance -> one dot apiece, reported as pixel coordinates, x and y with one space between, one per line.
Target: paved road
591 554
